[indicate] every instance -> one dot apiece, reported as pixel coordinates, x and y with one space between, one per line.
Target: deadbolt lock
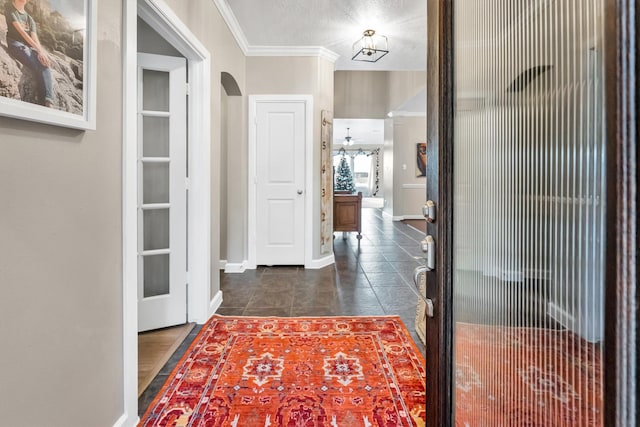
429 211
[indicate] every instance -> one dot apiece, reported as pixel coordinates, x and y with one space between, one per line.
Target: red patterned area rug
508 376
296 372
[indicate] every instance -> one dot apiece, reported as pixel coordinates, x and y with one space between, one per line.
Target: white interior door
162 201
280 183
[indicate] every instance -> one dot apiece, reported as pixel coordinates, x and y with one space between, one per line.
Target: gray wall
61 259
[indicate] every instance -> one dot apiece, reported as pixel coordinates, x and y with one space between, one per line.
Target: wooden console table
347 212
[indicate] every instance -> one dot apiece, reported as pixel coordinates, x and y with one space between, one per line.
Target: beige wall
61 259
224 161
373 94
233 224
206 23
61 252
297 75
149 41
387 175
404 85
361 94
409 190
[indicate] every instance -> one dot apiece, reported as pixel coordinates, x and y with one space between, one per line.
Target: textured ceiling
336 25
365 132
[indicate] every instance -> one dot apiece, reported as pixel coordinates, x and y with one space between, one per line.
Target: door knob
299 191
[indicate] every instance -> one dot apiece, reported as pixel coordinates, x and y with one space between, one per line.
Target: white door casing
162 204
280 182
202 303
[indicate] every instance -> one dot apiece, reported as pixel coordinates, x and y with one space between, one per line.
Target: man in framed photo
24 46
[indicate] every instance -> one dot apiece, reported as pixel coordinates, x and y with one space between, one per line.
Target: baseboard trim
579 326
417 216
232 267
126 421
223 264
321 262
214 305
402 217
561 316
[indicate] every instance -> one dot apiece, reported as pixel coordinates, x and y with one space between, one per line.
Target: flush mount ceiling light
370 47
348 140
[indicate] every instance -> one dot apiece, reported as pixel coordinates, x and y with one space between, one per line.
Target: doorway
280 181
201 303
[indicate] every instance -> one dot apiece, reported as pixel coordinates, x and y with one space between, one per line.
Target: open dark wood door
439 182
531 166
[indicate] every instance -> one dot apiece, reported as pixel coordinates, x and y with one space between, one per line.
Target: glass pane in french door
155 131
156 229
155 161
156 275
155 178
529 213
155 90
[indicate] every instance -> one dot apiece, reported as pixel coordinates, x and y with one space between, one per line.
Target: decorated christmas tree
344 178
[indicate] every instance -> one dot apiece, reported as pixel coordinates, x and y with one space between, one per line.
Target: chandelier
348 140
370 47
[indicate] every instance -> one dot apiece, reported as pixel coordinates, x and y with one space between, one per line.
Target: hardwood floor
154 350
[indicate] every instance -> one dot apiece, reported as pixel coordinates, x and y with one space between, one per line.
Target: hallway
371 277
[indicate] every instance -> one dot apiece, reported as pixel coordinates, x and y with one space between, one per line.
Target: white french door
280 183
162 193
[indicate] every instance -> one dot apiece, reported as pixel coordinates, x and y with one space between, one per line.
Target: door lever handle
419 271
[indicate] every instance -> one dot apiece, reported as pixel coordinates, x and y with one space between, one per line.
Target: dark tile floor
372 276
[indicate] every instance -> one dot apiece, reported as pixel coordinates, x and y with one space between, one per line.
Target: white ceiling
365 132
334 25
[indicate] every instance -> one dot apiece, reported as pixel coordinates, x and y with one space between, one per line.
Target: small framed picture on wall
421 165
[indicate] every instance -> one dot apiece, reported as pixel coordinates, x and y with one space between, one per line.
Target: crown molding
318 51
232 23
238 34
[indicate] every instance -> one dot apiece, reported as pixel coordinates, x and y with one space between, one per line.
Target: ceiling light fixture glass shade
348 140
371 47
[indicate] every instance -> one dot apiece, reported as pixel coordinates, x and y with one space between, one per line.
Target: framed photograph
421 164
48 61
